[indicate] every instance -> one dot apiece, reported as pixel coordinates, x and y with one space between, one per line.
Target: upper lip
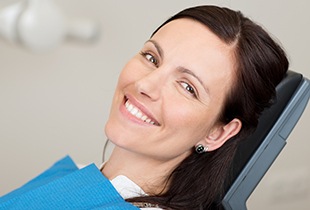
141 107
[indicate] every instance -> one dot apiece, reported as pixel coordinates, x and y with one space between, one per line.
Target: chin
116 135
108 130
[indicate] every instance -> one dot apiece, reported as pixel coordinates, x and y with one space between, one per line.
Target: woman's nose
151 84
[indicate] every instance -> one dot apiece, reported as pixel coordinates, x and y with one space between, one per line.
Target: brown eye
188 88
150 58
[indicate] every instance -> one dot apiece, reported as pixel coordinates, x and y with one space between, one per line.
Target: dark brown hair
198 182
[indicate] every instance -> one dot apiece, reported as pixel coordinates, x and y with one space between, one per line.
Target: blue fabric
64 186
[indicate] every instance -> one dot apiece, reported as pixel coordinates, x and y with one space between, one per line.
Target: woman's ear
221 133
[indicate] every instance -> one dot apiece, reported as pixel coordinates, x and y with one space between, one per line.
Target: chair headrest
284 91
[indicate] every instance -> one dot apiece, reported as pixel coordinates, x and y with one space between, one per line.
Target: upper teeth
137 113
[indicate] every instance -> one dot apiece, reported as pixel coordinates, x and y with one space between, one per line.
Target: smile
137 113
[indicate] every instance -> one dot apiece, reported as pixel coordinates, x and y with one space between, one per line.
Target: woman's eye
150 58
189 88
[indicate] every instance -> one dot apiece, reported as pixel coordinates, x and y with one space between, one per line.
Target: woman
184 102
180 109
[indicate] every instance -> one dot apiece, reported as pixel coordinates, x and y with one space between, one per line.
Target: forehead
193 45
192 35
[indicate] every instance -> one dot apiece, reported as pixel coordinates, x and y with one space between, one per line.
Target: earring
201 149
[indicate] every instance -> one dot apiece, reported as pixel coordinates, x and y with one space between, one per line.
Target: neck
150 174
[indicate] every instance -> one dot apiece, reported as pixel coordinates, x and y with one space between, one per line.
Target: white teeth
130 107
137 113
134 111
143 117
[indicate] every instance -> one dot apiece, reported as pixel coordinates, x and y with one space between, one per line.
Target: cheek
190 118
131 72
186 117
126 76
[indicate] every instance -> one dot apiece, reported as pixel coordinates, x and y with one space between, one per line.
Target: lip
141 107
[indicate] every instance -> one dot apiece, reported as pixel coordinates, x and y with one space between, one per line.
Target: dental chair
256 154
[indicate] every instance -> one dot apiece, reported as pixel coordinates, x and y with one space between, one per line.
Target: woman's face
169 95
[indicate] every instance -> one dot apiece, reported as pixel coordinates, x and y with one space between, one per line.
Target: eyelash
151 59
192 90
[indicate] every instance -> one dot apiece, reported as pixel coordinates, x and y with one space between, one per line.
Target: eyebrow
157 46
187 71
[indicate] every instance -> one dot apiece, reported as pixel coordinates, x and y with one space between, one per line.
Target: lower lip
129 116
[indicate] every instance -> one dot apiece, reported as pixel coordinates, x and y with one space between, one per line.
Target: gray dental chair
255 155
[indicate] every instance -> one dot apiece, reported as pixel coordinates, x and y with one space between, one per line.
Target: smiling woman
184 102
181 106
158 84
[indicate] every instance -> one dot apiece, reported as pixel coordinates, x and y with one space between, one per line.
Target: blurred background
54 100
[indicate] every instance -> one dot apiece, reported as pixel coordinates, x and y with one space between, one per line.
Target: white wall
57 103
